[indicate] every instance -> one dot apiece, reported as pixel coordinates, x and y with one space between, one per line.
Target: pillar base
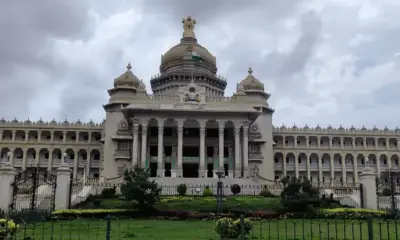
238 174
245 173
230 173
160 173
202 173
173 173
179 173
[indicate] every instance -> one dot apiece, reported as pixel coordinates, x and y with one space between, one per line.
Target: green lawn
191 230
199 204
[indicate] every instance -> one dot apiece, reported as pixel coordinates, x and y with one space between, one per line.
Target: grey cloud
209 10
25 63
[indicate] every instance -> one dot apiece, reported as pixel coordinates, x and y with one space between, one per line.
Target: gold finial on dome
250 71
188 27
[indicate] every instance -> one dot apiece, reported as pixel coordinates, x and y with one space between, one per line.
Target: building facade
188 129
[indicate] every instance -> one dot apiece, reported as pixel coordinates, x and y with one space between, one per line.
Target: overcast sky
324 61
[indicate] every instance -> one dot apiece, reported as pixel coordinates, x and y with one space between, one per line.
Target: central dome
185 49
188 49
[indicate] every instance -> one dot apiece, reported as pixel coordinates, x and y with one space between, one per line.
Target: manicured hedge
337 213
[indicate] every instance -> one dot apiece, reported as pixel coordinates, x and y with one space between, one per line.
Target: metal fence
274 229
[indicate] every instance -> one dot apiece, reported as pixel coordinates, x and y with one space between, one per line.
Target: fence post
108 228
7 177
370 229
242 236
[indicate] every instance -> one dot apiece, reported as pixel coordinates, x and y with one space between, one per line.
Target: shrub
265 192
229 228
108 193
138 187
181 189
235 189
7 228
298 194
207 192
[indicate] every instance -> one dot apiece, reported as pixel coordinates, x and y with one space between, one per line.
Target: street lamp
219 174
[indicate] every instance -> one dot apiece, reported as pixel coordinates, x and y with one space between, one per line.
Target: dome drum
186 77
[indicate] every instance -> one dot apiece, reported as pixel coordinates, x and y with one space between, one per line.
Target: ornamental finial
129 67
250 71
188 27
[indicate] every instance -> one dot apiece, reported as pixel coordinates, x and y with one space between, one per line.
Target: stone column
7 177
245 151
368 181
144 146
135 144
221 128
344 175
355 165
308 166
296 164
76 159
160 155
180 123
238 166
62 190
202 172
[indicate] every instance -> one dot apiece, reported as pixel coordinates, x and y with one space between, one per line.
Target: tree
138 187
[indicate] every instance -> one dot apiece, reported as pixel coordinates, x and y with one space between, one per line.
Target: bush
207 192
298 194
265 192
7 228
139 188
235 189
181 189
229 228
108 193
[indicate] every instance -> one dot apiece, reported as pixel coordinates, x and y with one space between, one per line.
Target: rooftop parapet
53 123
331 130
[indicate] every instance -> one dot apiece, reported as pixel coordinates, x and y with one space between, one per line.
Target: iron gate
75 186
388 190
34 190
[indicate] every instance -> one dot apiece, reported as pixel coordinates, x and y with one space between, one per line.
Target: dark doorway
167 170
190 170
226 168
210 168
153 169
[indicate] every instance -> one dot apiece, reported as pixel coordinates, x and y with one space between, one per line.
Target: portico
177 146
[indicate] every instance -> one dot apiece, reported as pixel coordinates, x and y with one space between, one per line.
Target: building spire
188 27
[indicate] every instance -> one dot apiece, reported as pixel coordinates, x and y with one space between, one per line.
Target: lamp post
220 174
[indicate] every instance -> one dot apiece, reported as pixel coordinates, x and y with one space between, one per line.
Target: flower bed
337 213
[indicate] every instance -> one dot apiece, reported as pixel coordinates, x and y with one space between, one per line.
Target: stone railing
340 130
52 124
220 99
163 97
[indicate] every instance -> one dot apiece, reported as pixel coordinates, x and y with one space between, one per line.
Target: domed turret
252 83
127 78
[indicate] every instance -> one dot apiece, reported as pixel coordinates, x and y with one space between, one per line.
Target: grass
204 230
198 204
